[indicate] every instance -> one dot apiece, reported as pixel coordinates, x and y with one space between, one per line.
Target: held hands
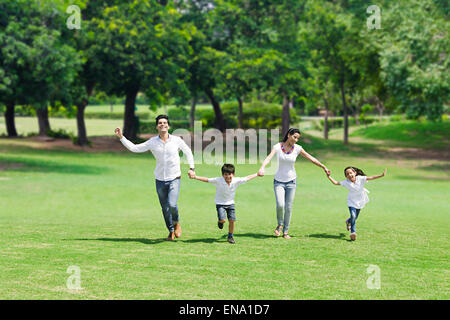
260 173
327 171
118 133
191 174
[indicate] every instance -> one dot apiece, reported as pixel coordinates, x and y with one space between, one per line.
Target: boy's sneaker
348 224
220 225
231 240
353 236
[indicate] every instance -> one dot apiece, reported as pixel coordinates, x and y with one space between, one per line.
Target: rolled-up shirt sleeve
186 151
142 147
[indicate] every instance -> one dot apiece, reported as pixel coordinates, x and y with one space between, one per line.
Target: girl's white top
225 193
166 154
357 195
286 163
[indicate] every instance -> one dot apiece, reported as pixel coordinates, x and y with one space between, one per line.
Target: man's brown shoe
170 237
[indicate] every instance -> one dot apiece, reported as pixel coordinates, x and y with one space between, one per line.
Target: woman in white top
357 194
285 180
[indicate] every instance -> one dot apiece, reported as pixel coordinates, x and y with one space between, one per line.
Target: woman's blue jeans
284 197
168 192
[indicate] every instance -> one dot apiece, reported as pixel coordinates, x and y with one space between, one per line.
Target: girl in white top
285 180
357 194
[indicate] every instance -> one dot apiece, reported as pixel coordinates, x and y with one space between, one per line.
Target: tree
37 66
413 57
334 37
140 44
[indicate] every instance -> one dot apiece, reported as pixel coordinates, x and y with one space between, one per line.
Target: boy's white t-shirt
225 193
286 163
357 195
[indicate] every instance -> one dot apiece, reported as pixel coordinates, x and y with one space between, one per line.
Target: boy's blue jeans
354 213
168 192
284 197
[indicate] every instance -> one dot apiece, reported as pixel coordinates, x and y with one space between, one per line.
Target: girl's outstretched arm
333 181
379 176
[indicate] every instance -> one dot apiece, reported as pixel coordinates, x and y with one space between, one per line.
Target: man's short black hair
227 168
162 116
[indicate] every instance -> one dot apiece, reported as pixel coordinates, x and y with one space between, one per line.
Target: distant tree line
335 54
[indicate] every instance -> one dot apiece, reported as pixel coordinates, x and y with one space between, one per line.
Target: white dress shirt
225 193
166 154
357 194
286 163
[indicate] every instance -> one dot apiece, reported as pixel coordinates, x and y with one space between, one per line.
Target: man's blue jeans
354 213
168 192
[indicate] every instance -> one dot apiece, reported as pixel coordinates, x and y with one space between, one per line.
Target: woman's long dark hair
290 132
359 172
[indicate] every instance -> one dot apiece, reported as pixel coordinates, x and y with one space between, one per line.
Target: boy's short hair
227 168
162 116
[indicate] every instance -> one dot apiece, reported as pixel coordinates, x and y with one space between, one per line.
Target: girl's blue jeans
354 213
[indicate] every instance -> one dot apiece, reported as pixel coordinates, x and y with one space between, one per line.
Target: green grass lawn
100 212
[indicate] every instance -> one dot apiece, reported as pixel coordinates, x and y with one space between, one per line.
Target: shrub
255 114
178 113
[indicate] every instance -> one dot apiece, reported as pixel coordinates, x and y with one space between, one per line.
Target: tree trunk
192 112
130 125
82 139
9 120
220 121
344 105
44 123
285 115
325 121
240 119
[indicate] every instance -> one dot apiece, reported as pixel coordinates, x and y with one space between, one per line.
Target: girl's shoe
286 236
353 236
348 224
277 231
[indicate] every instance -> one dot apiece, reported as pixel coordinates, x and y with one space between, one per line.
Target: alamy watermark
74 280
238 146
74 21
374 280
374 21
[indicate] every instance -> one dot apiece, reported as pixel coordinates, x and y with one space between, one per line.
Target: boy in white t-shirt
357 194
226 186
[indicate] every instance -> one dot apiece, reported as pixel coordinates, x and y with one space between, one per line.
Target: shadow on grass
141 240
34 165
340 236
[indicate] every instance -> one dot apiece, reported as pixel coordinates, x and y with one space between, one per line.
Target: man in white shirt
167 172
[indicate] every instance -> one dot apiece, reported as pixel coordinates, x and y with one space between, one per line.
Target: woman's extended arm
266 162
315 161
